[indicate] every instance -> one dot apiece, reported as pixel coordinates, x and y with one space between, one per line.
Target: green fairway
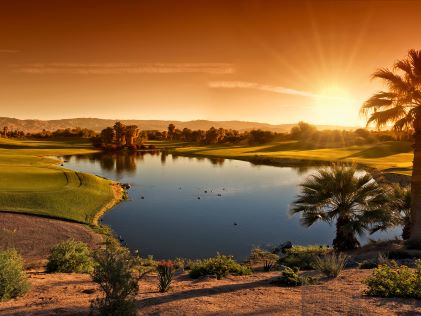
391 156
32 183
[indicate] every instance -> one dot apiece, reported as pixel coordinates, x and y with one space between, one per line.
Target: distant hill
97 124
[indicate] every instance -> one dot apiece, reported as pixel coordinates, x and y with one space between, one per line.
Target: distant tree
303 130
108 135
120 131
131 134
400 104
340 193
171 129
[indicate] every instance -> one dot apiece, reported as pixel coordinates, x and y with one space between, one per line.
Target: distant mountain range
97 124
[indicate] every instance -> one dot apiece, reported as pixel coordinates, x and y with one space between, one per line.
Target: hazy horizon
276 62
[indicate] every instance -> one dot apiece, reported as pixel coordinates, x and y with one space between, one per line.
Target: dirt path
34 236
69 294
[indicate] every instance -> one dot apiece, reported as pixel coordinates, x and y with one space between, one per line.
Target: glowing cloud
269 88
125 68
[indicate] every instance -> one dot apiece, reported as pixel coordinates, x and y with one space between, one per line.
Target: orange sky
269 61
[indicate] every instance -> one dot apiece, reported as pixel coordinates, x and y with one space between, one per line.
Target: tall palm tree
400 105
340 193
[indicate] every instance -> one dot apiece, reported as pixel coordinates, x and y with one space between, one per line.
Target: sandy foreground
70 294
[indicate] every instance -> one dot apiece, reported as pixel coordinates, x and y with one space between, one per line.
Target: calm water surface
196 207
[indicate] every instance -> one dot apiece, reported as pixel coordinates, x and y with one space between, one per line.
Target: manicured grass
391 156
34 184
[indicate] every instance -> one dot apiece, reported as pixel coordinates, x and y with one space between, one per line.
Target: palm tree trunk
345 238
416 182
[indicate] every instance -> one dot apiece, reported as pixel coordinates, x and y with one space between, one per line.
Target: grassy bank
391 156
34 184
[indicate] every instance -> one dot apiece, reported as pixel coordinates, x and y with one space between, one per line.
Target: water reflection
186 206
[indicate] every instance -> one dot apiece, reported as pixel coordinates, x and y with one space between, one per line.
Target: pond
195 207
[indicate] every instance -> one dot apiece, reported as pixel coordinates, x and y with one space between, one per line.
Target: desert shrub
291 277
115 272
13 282
413 244
367 264
165 274
330 265
70 256
219 266
395 281
261 256
302 257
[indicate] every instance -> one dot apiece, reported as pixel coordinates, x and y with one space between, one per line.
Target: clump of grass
395 281
291 277
330 265
261 256
13 282
165 274
70 256
219 266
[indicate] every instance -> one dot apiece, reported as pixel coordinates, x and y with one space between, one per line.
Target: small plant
70 256
219 266
259 256
13 282
165 275
330 265
289 277
395 281
115 272
413 244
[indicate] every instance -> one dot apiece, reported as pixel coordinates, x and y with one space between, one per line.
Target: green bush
261 256
395 281
330 265
413 244
115 273
291 277
70 256
219 266
13 282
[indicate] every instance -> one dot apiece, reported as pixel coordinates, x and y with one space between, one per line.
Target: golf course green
390 156
32 183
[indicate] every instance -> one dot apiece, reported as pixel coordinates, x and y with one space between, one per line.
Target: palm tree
400 105
340 193
397 212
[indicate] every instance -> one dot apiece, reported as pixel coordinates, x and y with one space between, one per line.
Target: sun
334 105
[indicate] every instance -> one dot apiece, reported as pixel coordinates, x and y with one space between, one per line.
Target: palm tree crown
343 194
401 103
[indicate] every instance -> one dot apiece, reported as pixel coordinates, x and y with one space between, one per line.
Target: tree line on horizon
120 136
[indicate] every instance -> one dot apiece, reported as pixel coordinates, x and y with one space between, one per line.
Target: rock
282 247
219 194
125 186
351 264
89 291
198 197
142 197
407 262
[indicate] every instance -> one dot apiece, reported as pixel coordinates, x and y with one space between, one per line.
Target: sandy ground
69 294
34 236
